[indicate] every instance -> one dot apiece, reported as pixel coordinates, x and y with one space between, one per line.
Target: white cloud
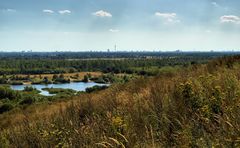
114 30
64 12
168 17
215 4
230 19
9 10
208 31
102 13
48 11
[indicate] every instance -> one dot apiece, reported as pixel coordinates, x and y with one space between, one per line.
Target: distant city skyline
99 25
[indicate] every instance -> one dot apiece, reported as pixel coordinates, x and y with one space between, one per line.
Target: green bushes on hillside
7 93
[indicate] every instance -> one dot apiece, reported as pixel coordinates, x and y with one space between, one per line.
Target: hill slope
198 106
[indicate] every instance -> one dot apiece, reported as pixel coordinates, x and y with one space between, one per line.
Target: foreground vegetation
198 106
12 99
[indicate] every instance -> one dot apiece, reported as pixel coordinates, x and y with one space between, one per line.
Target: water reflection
77 86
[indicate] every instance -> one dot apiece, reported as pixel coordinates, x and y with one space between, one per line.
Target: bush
95 88
5 108
27 101
29 88
3 81
7 93
85 79
61 80
99 80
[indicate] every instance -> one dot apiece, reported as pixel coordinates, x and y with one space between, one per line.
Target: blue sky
80 25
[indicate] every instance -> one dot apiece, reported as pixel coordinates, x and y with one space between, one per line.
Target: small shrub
29 88
27 101
5 108
95 88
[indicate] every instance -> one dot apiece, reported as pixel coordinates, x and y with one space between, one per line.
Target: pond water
77 86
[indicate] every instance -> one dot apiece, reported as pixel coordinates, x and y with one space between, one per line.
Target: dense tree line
116 62
90 55
34 66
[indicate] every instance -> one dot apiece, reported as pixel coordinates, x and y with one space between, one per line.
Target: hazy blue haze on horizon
77 25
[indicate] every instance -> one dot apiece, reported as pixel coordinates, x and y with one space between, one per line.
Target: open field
68 75
76 76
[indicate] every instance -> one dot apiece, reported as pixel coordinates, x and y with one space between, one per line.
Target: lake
77 86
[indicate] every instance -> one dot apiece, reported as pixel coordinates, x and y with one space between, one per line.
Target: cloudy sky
80 25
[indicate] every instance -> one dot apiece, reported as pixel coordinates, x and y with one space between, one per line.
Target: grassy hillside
197 106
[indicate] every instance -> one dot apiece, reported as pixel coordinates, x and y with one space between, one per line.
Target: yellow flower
118 122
